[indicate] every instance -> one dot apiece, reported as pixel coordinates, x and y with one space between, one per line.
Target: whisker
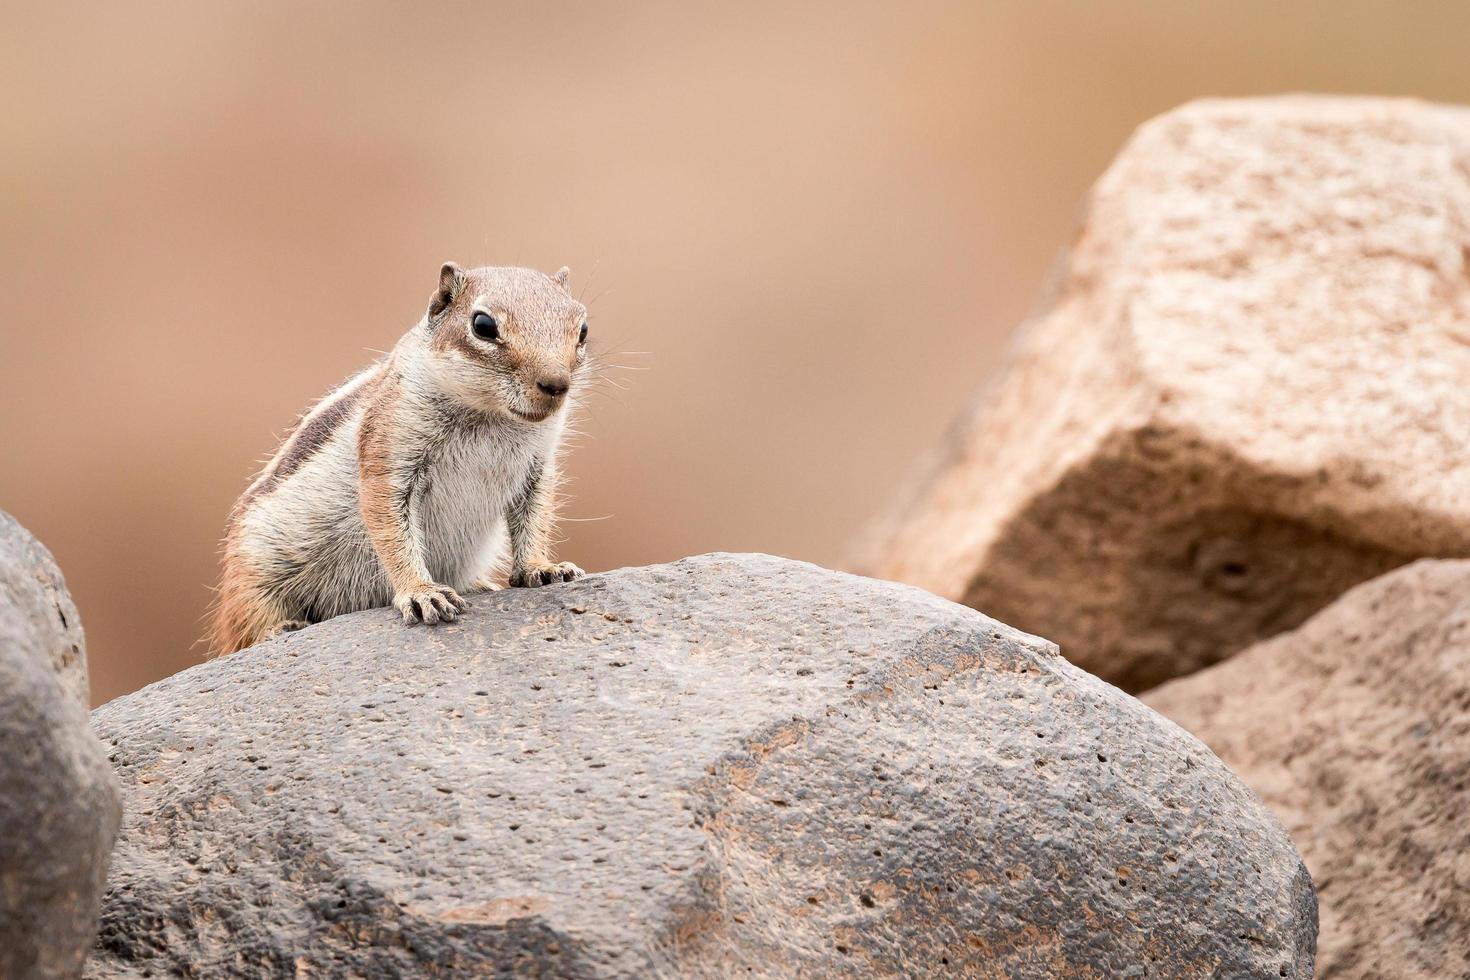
601 393
596 264
600 378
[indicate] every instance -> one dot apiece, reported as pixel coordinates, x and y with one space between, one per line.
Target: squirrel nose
555 386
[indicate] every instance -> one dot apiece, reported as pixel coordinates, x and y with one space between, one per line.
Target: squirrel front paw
429 603
535 575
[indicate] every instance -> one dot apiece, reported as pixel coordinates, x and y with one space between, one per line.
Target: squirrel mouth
527 416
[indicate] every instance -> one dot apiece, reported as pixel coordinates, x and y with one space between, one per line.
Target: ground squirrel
402 484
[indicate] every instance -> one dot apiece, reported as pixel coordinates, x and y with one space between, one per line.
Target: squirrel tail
241 615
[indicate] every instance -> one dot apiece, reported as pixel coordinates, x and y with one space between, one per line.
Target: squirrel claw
289 626
537 575
430 604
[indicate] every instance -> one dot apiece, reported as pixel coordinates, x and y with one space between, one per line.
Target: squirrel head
506 341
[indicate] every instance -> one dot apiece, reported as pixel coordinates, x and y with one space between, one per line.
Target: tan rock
1250 391
1355 729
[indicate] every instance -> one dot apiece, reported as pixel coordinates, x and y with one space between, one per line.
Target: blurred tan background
812 227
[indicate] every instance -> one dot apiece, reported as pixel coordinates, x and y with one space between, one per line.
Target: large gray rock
1355 729
58 796
1247 395
729 763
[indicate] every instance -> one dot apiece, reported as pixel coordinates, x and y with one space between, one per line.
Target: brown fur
381 511
309 436
243 615
243 612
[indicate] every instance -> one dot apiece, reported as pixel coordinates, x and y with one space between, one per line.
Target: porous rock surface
729 765
1247 393
1355 729
58 796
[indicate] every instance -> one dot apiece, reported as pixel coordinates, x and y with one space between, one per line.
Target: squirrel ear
561 276
451 282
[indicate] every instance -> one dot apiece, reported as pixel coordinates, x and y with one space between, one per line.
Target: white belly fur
463 503
308 533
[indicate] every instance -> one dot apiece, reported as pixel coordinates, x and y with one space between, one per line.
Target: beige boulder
1251 390
1355 730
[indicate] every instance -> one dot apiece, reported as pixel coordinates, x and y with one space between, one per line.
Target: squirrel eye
485 327
582 336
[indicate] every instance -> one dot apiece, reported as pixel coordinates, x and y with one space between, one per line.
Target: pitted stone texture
688 770
1355 729
1247 395
58 796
